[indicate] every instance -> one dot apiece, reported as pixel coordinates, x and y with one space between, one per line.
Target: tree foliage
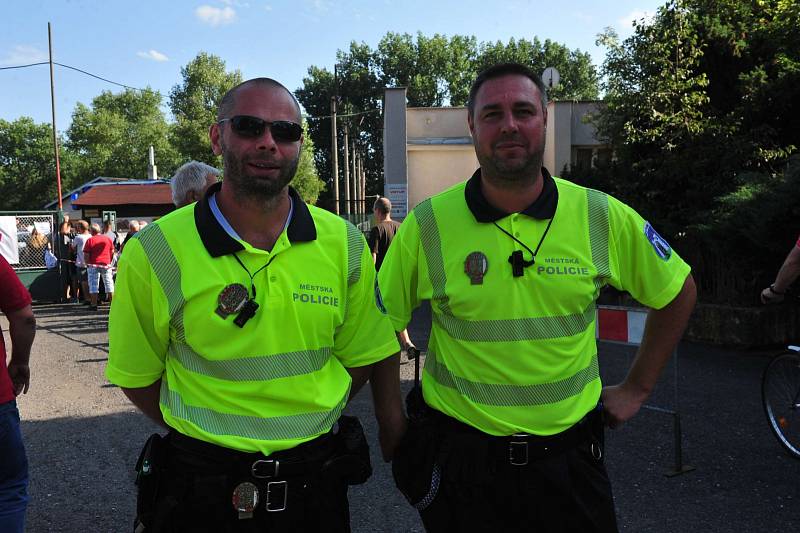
113 136
436 71
701 106
194 105
306 180
27 167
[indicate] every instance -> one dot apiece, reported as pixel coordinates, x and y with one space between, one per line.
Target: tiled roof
157 193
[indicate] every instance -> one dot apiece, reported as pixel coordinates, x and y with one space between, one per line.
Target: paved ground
83 437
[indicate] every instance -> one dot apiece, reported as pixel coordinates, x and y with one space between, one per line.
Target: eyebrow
515 105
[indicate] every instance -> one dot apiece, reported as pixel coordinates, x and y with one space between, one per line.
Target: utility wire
341 116
76 69
25 66
98 77
137 89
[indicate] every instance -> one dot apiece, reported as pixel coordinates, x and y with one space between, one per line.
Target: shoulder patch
660 245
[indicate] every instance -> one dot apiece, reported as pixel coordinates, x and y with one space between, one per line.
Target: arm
21 329
663 330
785 277
146 399
385 384
359 375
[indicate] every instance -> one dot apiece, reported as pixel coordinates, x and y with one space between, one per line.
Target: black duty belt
200 456
519 449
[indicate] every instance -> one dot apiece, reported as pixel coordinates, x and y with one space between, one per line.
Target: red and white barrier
620 324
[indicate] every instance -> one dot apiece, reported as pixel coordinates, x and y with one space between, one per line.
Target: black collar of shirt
543 207
218 242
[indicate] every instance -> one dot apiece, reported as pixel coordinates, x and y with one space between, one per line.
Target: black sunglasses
253 127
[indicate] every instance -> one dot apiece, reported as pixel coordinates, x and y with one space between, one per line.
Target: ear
216 138
471 123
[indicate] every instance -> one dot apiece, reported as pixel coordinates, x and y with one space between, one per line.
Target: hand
769 296
390 432
620 403
20 377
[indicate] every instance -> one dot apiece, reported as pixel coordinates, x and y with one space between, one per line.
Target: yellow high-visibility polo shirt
279 380
518 354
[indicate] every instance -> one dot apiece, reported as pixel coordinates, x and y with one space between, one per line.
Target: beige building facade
426 150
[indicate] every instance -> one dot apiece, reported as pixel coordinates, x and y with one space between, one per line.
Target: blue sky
145 43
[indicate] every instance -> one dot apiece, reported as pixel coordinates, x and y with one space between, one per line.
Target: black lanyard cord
253 275
516 259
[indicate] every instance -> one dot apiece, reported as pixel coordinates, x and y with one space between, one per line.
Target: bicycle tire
780 395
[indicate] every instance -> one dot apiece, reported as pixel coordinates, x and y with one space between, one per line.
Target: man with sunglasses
509 435
243 326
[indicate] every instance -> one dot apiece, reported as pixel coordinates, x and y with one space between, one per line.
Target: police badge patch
660 245
379 298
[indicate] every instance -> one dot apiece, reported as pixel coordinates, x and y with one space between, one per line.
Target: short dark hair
382 205
505 69
227 102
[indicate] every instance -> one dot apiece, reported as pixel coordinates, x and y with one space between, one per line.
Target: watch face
231 299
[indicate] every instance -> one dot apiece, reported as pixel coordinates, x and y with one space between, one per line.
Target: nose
509 123
266 142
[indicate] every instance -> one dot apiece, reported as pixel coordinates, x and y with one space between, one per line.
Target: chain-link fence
34 234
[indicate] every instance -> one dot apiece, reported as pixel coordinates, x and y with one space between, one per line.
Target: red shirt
13 297
98 250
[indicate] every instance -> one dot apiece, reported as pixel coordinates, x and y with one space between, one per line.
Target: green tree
306 181
27 165
700 107
194 105
579 80
113 136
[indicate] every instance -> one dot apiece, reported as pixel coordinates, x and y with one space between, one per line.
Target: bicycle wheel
780 393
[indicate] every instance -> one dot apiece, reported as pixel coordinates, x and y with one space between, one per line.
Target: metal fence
34 233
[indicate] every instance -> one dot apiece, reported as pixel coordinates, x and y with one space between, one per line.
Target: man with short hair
99 254
243 325
77 245
133 229
380 237
15 303
507 434
191 181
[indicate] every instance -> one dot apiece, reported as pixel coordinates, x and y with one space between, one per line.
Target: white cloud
214 16
154 55
267 7
236 3
320 6
626 22
22 54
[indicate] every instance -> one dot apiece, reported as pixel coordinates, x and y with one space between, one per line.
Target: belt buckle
256 467
518 450
276 485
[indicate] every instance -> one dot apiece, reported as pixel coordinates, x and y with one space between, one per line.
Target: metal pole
363 188
53 107
354 171
347 209
334 156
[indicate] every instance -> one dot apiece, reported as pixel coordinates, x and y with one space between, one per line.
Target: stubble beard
247 189
512 173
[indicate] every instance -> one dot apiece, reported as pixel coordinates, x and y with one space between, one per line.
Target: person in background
190 182
787 274
78 243
380 237
99 254
133 229
109 232
15 304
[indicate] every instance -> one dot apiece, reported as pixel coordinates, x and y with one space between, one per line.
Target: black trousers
196 487
508 484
